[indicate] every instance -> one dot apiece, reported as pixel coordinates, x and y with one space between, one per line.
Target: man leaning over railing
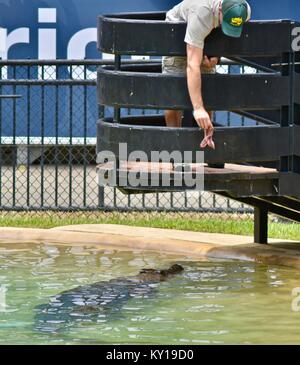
202 16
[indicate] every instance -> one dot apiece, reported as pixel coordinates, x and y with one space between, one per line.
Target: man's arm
194 61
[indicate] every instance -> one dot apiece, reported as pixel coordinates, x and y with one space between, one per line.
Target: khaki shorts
177 66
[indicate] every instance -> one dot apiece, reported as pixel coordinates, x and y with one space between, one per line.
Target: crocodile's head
160 275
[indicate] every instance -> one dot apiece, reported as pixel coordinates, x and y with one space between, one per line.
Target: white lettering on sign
47 38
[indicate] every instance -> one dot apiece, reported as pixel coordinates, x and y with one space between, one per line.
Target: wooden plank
241 181
231 171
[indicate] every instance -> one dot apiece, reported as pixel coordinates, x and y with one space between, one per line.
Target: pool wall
191 244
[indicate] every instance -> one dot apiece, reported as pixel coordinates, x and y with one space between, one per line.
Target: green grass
214 223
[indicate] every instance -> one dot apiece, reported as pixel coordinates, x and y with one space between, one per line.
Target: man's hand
208 139
209 63
203 120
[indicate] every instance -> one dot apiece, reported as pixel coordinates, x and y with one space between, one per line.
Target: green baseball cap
235 14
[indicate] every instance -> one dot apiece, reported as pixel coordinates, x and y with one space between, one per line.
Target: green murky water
212 302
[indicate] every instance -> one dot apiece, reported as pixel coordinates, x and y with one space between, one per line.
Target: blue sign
275 9
65 29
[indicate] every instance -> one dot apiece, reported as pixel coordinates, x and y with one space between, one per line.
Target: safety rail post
260 225
117 118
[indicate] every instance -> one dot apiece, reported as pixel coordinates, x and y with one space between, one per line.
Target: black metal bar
284 212
144 37
14 179
292 86
296 135
56 62
20 82
117 111
129 200
42 159
10 96
148 15
127 89
172 201
297 91
214 200
292 166
260 225
289 183
114 208
71 147
284 201
91 62
200 199
284 160
85 139
101 197
157 200
143 201
115 197
56 147
254 116
101 193
1 148
243 61
234 144
28 141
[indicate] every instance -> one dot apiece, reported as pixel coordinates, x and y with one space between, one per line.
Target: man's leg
173 118
173 66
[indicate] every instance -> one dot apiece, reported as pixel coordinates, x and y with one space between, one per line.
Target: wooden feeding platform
239 180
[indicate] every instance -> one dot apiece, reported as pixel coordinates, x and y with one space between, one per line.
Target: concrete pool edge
192 244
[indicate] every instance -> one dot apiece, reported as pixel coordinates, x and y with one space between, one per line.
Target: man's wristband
195 111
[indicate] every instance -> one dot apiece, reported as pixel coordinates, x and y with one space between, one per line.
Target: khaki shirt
201 16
